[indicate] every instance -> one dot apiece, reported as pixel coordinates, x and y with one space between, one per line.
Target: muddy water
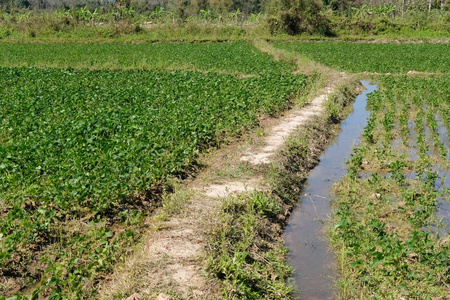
310 256
442 226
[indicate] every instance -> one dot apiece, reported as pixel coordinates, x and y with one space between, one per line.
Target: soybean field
91 135
234 58
85 153
375 57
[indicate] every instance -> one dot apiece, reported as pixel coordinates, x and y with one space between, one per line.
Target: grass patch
247 255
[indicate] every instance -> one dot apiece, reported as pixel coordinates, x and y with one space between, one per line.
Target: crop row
375 57
390 233
422 107
235 58
81 151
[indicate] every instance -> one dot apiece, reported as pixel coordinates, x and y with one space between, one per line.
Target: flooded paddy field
380 199
390 224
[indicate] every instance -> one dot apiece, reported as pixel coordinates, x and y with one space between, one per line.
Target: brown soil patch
409 73
232 188
170 261
281 131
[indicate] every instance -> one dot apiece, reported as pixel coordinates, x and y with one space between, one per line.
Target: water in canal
310 256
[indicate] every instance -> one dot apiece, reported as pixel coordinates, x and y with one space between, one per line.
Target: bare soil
280 132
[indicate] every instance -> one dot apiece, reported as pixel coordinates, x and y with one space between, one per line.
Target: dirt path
281 131
170 262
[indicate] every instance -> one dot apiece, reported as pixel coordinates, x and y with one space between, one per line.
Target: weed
245 243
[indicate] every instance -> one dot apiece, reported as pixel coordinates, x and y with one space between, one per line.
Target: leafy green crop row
375 57
392 239
422 107
235 58
81 150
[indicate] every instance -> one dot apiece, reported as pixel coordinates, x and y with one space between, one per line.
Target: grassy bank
247 253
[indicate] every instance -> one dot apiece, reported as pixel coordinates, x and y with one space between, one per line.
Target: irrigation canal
315 272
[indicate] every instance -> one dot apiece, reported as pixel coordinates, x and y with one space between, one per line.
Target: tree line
292 17
195 7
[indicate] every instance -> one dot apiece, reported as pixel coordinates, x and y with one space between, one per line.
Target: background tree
123 3
297 16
